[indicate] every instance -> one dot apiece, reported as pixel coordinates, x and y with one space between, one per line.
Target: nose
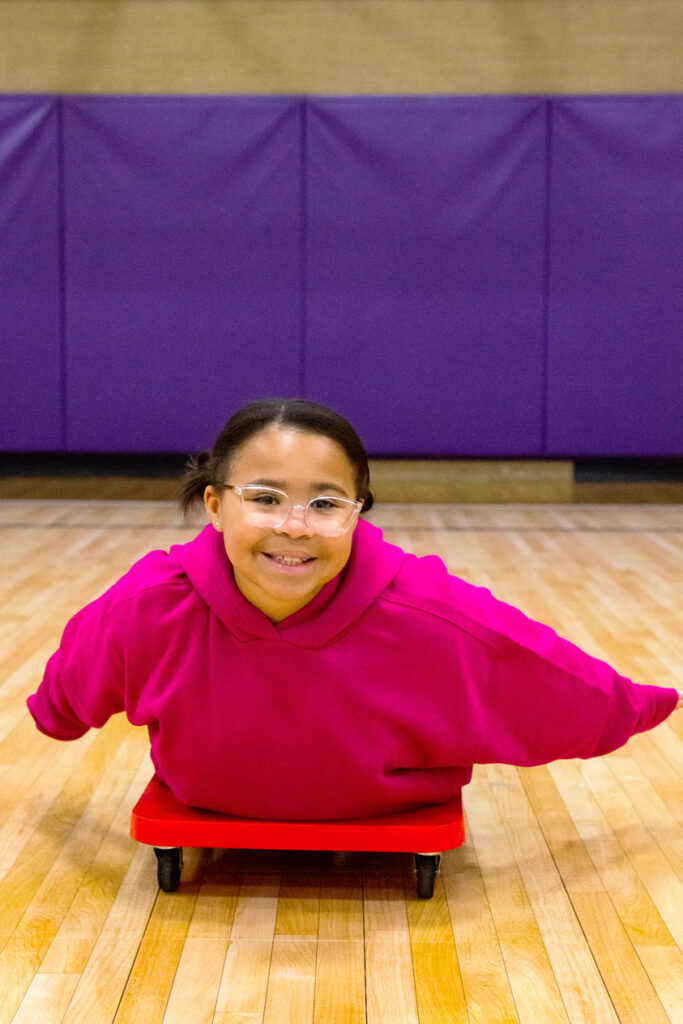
295 524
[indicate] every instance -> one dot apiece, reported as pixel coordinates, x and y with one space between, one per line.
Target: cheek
338 555
240 541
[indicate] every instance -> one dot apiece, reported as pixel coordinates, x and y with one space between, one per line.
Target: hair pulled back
212 468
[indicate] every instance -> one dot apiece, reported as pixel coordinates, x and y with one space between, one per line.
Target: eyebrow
318 487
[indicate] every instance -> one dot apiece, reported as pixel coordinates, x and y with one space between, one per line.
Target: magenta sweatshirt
376 697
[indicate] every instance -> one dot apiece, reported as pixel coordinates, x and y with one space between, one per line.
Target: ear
212 504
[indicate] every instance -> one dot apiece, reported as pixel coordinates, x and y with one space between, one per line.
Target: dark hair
212 468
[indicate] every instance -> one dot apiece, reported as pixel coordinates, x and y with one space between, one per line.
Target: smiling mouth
286 560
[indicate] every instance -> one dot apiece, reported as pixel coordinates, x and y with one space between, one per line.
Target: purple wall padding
30 334
425 270
183 265
615 358
458 275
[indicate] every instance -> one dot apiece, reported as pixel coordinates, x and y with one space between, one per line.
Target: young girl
290 663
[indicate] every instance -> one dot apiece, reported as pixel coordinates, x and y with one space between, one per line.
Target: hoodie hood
372 566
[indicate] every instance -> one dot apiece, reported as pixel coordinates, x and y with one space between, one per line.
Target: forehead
291 457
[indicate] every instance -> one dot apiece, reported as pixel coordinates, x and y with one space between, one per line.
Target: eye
264 498
327 504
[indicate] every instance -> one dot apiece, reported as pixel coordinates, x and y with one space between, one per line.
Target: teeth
287 561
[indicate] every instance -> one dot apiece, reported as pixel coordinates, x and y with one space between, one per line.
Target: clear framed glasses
268 508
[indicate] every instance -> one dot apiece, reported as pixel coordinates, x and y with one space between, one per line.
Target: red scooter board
159 820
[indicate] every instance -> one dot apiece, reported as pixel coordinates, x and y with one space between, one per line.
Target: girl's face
304 465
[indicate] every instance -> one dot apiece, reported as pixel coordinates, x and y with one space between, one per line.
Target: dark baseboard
628 469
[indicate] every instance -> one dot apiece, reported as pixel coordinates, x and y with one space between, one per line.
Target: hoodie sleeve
84 681
546 699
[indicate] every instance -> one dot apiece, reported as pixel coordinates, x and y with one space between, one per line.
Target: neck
275 608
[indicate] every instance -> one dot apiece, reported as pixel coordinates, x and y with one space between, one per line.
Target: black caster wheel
426 867
169 868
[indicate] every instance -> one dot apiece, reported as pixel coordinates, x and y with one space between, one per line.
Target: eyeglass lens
326 515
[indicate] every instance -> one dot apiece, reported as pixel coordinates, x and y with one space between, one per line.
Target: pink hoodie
376 697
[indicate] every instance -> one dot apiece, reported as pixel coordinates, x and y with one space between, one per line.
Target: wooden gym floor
565 904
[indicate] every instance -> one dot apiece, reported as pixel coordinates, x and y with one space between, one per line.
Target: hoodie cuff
661 702
54 733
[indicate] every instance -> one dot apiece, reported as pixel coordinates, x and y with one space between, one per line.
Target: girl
290 663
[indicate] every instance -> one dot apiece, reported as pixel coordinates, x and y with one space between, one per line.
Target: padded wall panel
183 243
615 384
30 336
425 270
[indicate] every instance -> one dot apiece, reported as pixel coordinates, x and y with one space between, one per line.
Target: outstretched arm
545 699
83 683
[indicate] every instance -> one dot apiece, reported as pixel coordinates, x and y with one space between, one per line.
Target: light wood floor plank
660 757
46 999
428 920
298 910
622 916
569 852
438 984
244 983
664 967
486 986
33 865
384 904
390 982
100 876
256 910
237 1018
196 985
659 815
527 962
605 869
581 987
103 981
30 790
26 950
655 871
214 911
340 982
291 981
154 967
341 905
630 989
